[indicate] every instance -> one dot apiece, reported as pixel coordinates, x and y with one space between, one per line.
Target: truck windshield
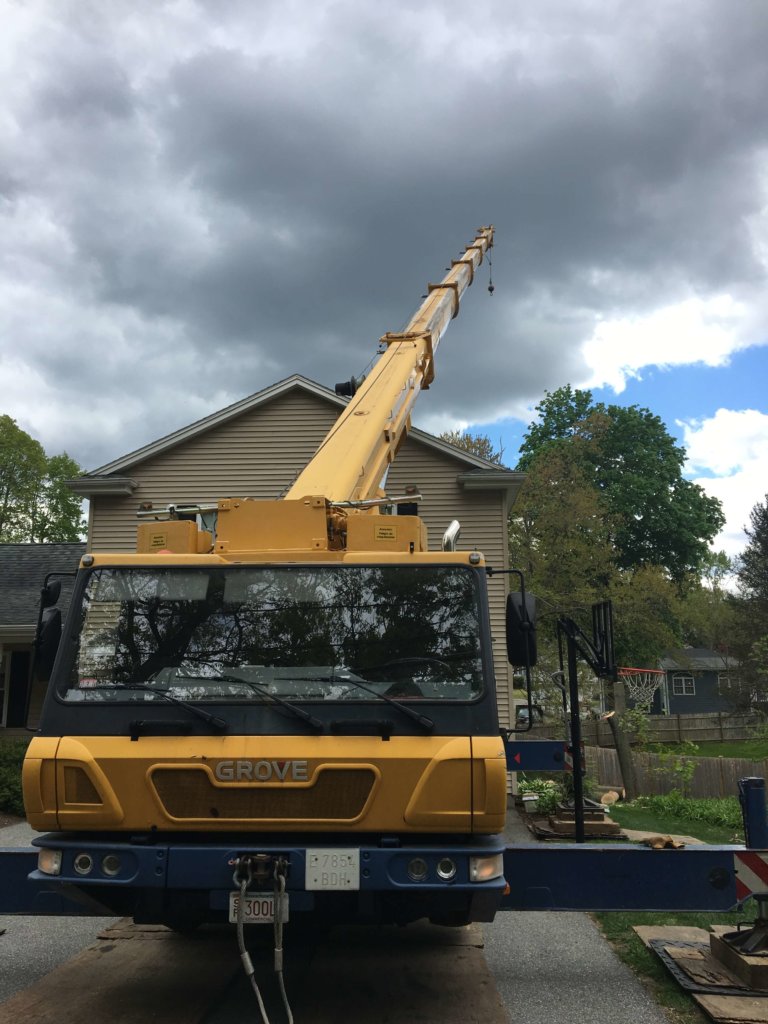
303 633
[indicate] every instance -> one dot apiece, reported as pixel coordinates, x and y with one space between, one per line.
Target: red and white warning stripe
751 874
568 758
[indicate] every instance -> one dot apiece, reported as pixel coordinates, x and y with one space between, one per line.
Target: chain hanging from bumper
250 868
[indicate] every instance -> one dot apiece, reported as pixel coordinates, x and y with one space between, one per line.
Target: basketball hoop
641 684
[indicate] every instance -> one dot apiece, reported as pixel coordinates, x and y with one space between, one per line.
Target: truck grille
338 795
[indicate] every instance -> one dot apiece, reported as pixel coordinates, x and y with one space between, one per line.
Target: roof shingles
23 568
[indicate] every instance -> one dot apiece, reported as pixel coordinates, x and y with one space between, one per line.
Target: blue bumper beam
24 891
539 877
620 877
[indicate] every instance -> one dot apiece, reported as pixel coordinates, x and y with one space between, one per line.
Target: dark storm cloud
239 195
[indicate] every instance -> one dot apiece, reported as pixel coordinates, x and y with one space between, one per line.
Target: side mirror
50 594
521 629
47 643
523 717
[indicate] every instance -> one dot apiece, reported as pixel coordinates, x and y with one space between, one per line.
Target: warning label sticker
385 533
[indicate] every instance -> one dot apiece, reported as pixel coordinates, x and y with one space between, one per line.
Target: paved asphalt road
548 967
556 968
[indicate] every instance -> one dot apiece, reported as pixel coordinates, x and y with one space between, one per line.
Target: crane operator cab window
318 633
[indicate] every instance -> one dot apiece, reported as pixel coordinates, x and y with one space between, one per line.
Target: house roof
116 474
23 568
697 659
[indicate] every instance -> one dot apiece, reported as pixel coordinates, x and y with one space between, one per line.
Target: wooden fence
715 726
655 773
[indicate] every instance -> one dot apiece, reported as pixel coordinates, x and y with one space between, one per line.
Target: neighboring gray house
23 568
257 447
697 680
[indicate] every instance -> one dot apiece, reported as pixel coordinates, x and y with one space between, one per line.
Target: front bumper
158 880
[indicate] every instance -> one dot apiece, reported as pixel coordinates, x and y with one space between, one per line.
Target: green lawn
617 927
638 818
751 750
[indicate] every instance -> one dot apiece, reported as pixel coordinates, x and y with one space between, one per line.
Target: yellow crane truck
302 695
286 709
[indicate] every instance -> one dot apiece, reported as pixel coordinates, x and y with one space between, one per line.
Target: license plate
333 869
258 907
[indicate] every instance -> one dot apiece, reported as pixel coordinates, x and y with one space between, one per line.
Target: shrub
11 758
679 766
547 790
723 811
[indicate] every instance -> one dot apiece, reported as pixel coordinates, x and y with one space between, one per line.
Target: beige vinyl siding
256 455
261 451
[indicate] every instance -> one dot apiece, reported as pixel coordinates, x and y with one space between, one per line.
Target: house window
683 685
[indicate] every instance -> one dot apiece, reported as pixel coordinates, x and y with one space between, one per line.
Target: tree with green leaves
560 536
561 414
22 466
752 570
751 627
35 503
707 608
646 611
660 518
476 444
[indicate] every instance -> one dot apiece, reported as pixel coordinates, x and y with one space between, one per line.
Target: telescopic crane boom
353 459
332 506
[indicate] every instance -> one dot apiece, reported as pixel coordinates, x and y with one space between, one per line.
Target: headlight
485 869
110 865
83 863
417 869
446 869
49 862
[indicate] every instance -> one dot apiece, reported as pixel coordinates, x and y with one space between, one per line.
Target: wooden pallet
554 829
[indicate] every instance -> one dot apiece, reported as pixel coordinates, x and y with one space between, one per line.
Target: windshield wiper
424 722
305 716
217 723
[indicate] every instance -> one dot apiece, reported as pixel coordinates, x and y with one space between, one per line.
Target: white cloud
196 197
728 457
696 330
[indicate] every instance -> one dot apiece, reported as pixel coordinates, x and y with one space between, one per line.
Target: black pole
753 813
578 779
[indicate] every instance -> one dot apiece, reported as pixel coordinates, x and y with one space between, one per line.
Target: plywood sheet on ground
156 975
591 828
421 974
542 829
734 1009
636 835
671 932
